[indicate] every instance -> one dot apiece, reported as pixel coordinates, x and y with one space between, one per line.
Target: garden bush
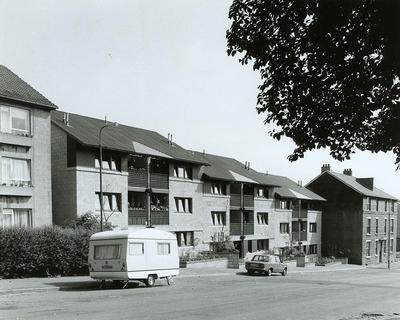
46 251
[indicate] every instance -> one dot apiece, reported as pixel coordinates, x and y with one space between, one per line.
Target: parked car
267 264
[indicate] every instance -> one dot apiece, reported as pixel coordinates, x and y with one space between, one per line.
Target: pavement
8 286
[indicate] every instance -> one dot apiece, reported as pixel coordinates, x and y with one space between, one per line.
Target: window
109 162
368 225
218 188
14 120
262 244
385 226
13 148
163 248
391 225
284 204
107 252
136 248
386 205
368 249
392 207
376 225
111 201
391 245
184 238
303 226
182 172
312 249
262 217
313 227
384 244
16 218
218 218
15 172
284 227
369 204
183 205
376 247
262 193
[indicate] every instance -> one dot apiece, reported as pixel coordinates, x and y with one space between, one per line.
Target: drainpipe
242 237
388 240
299 223
148 192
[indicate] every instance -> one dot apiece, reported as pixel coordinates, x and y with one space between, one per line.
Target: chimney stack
325 167
300 183
347 172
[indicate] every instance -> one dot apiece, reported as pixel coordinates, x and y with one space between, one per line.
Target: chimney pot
325 167
347 172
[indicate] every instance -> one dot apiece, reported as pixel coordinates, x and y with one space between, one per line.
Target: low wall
215 263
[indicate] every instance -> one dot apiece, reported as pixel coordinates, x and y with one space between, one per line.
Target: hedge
47 251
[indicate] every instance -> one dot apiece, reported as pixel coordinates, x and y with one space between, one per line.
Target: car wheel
250 272
269 272
284 272
150 281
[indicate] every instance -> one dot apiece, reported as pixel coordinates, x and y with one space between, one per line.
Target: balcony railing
235 228
139 217
303 236
303 214
248 200
138 178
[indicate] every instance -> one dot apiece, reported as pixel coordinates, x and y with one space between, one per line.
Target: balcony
138 178
248 200
303 236
139 217
235 229
303 214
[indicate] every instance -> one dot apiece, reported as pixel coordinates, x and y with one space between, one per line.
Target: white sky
159 65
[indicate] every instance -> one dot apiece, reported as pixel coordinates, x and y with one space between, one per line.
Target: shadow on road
93 285
256 274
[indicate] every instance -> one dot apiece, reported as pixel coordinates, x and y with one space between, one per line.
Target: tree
329 70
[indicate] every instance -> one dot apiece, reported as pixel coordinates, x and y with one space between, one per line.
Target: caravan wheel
150 280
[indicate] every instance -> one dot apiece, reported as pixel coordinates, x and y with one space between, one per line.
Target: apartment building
141 170
200 197
260 209
25 189
359 220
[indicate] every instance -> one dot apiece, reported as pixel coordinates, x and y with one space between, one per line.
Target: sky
159 65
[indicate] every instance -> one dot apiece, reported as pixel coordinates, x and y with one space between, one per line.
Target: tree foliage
329 70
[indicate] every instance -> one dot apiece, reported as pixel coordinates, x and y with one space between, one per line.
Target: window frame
311 248
368 248
185 203
376 225
311 227
183 172
130 244
368 226
219 217
161 245
16 131
285 226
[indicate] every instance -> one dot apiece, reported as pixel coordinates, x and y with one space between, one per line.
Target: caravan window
136 248
107 252
163 248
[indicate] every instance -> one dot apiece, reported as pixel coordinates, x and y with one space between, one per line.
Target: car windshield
260 258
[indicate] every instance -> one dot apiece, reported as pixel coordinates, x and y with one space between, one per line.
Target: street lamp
112 124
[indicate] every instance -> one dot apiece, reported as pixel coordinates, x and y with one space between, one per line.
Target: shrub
44 251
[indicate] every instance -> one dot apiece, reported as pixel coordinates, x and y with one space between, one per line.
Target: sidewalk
21 286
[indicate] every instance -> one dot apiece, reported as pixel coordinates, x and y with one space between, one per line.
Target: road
325 295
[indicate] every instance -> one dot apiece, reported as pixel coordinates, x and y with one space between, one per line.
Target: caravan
145 255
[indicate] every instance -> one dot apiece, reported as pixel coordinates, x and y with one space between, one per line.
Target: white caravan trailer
144 255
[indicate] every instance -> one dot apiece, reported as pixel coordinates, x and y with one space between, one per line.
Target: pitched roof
351 182
290 189
229 169
15 89
122 138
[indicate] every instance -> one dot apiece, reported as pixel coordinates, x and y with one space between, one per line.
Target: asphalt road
325 295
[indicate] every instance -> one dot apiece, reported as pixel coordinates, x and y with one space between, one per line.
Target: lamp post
112 124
